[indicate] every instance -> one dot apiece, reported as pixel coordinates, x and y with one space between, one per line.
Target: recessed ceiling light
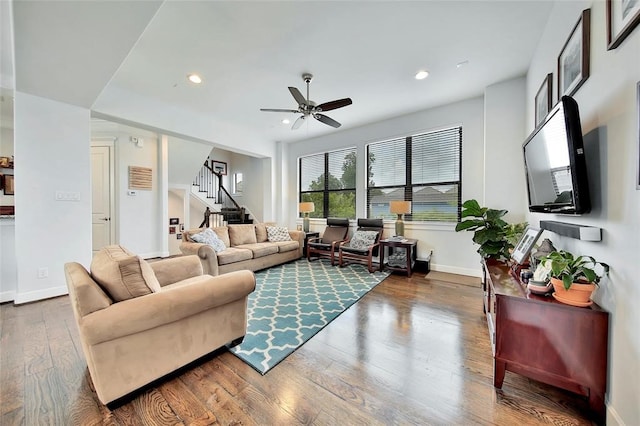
194 78
286 121
461 64
421 75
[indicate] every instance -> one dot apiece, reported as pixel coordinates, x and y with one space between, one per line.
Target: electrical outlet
43 272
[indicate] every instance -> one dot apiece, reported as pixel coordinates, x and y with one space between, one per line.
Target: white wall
453 252
504 109
253 193
176 209
52 149
139 228
608 109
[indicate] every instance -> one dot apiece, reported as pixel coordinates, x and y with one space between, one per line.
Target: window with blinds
424 169
329 181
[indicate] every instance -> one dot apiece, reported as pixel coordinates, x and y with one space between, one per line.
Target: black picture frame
543 99
174 221
574 58
622 18
219 167
9 185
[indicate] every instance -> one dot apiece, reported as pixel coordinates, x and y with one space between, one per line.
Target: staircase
208 184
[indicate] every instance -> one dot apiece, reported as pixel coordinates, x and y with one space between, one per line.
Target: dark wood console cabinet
541 338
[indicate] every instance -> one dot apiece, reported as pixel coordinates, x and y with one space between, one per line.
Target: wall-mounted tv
555 163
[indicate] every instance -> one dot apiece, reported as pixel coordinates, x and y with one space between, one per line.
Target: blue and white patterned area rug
293 302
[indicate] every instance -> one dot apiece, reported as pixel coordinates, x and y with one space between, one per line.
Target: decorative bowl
540 287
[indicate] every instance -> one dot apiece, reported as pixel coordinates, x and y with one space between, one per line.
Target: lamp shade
307 207
400 207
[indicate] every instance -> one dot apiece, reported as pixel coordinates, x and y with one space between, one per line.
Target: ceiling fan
307 107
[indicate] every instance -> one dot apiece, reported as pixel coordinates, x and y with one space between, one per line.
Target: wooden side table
408 244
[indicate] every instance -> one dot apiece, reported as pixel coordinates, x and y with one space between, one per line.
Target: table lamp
400 208
306 208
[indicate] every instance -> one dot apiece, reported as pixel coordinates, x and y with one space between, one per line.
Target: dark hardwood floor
412 351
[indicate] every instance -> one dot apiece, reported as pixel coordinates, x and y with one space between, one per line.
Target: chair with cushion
363 245
139 321
327 245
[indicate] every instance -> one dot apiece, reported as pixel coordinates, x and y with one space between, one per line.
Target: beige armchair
130 343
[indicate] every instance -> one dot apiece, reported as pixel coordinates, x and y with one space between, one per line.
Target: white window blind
424 169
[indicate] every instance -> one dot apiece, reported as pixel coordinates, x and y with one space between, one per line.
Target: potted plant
491 232
574 278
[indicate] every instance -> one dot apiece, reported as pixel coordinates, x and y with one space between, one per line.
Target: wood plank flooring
412 351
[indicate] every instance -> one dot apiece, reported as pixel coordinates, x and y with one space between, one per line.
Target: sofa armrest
174 269
173 304
299 237
205 252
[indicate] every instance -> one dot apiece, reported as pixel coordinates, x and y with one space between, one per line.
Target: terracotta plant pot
579 294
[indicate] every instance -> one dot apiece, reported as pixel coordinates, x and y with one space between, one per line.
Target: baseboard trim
7 296
33 296
613 418
456 270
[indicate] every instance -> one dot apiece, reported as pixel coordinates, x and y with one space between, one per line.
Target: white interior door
101 197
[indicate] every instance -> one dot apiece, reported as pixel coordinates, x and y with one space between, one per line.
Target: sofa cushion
211 238
242 234
277 233
284 246
261 231
233 254
363 239
122 274
260 249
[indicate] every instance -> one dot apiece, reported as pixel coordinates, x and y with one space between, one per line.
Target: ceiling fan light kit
307 107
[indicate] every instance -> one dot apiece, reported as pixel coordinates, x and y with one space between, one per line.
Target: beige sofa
130 343
247 247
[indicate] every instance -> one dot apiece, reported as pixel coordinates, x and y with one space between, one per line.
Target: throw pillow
122 274
211 238
363 239
242 234
278 233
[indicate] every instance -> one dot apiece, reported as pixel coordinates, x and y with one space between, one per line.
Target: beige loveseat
130 343
246 247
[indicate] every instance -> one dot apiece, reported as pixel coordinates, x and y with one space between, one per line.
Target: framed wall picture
219 167
622 17
573 62
174 221
543 99
524 246
9 185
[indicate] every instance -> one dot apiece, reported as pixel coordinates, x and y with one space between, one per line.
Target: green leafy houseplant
574 269
491 232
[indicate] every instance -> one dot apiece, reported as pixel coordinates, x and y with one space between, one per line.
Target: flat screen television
555 164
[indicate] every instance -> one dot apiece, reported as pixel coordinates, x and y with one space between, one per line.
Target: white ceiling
249 52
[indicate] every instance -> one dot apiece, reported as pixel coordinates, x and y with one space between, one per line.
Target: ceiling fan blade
278 110
326 120
339 103
298 122
297 96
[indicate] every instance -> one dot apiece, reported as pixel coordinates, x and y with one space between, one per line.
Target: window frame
326 191
409 187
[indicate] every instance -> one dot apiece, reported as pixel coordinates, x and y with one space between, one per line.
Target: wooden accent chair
363 245
326 246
